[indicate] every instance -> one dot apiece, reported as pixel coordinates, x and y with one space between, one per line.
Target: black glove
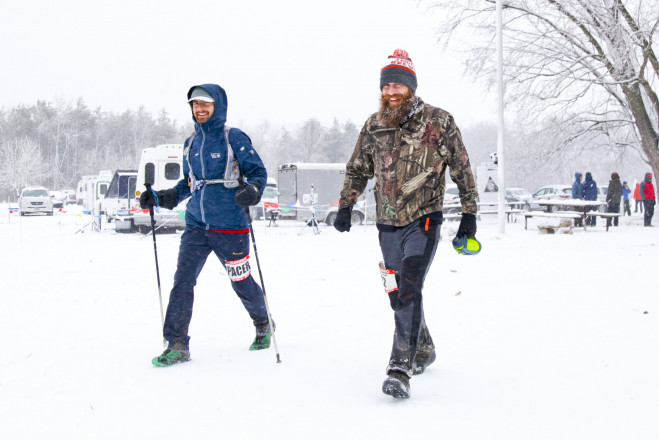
467 226
342 222
148 198
248 195
167 198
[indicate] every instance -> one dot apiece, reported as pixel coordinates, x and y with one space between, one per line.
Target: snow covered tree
584 67
21 164
309 138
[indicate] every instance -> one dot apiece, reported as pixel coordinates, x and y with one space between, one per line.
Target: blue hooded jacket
589 188
213 206
625 191
577 187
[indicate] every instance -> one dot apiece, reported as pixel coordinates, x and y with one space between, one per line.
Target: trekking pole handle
148 188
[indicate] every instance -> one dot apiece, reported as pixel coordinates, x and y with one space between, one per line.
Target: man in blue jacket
590 193
215 218
577 193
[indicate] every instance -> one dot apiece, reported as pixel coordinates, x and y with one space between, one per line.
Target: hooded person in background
625 199
648 196
406 147
577 193
637 198
577 186
215 218
613 195
590 193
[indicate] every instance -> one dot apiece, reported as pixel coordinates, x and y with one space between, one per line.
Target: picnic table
571 204
453 210
578 208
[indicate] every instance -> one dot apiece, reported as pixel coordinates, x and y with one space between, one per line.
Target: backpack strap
192 181
232 171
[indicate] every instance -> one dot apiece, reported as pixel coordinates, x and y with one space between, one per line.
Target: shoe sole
395 388
159 364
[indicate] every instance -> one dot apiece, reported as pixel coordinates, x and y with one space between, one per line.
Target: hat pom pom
401 53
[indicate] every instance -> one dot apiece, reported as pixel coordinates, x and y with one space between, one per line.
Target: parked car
269 198
518 195
522 196
70 196
35 199
58 198
551 192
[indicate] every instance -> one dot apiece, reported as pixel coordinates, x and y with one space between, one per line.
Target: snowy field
538 337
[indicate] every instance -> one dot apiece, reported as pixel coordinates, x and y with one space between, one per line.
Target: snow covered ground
538 337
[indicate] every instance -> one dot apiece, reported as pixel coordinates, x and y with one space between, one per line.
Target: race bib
388 278
238 270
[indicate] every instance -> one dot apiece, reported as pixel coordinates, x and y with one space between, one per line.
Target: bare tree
21 164
309 139
587 66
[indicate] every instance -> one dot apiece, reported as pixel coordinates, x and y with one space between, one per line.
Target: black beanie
399 69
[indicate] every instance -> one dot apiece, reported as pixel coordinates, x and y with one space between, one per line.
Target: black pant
639 202
613 207
649 212
409 251
591 220
626 209
196 246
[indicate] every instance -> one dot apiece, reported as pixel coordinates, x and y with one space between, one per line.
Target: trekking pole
155 252
265 297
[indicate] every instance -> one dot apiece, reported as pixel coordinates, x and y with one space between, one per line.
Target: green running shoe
170 357
261 342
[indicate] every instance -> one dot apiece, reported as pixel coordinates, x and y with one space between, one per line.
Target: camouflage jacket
409 164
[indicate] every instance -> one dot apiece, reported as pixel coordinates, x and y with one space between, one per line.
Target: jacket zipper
203 176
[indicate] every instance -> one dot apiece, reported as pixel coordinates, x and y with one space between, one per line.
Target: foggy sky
284 61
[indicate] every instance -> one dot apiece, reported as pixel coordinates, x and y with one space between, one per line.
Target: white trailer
162 167
315 187
94 188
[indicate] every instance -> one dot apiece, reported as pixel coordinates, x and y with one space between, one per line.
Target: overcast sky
285 61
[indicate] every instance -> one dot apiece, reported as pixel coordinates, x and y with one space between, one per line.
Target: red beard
393 116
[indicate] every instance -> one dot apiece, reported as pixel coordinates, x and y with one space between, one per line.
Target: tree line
53 145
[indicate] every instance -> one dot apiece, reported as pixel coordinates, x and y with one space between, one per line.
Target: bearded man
407 146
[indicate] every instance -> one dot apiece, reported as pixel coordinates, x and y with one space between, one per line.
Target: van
162 167
35 199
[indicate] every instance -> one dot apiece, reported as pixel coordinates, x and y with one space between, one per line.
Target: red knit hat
399 69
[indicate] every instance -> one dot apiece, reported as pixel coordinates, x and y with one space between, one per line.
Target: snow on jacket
213 206
614 192
589 188
577 187
409 165
647 189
